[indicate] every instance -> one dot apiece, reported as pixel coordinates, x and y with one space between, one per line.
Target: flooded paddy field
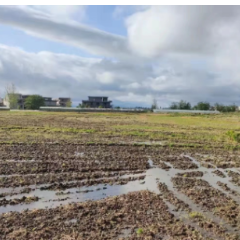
118 176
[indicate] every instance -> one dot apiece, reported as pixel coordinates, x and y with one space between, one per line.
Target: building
63 102
48 101
96 102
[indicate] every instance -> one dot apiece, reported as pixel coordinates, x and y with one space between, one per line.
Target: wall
50 103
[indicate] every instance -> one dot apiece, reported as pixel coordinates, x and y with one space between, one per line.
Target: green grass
174 130
140 231
195 215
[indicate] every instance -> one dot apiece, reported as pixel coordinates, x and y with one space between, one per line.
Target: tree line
184 105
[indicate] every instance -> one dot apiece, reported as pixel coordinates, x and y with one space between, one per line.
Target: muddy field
118 176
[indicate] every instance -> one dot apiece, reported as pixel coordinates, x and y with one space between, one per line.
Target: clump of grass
234 136
140 231
195 215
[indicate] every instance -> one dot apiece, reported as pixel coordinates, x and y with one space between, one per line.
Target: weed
234 136
195 215
140 231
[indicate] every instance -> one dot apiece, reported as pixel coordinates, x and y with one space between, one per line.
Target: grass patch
234 136
139 231
195 215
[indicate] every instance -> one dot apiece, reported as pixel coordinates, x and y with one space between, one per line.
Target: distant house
62 102
48 101
96 102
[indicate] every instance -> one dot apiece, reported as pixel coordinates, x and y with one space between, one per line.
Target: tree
34 102
202 106
69 103
80 105
174 106
223 108
11 96
154 104
181 105
184 105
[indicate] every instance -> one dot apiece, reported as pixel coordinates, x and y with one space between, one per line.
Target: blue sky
130 53
100 17
17 38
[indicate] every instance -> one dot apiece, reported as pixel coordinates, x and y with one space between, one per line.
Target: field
119 176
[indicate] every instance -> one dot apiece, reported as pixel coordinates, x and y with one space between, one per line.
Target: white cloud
134 85
40 24
184 29
105 77
62 11
1 67
132 97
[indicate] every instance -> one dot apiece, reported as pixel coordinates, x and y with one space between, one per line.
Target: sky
132 54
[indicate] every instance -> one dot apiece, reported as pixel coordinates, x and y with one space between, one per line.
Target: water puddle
125 233
72 221
150 163
79 154
154 175
151 143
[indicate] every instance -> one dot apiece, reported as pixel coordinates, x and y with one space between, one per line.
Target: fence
66 109
184 111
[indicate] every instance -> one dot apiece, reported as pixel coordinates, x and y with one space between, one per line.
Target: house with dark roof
96 102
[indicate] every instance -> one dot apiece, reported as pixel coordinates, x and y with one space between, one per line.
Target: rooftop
97 97
96 101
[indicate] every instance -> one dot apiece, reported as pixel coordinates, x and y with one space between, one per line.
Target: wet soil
15 201
104 219
219 173
191 174
116 192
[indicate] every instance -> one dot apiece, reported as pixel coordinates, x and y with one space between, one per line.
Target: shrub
34 102
232 135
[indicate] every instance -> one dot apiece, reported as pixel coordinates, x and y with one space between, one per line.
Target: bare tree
11 96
